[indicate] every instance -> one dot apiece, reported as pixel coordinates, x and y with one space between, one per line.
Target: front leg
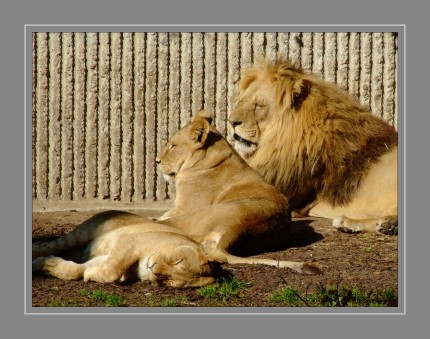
104 269
59 268
241 226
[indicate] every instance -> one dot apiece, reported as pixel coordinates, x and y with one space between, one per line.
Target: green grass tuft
334 296
111 300
224 290
287 295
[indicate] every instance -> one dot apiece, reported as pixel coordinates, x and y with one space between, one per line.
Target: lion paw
389 227
341 225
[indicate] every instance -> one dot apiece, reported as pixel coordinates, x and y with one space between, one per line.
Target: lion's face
181 151
173 156
185 266
249 118
262 96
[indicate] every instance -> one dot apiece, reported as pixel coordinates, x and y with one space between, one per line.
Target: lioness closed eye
221 202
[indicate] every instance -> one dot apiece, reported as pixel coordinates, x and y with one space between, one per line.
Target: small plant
54 289
178 301
151 300
114 300
385 298
84 292
287 295
224 290
98 295
170 303
111 300
209 291
334 296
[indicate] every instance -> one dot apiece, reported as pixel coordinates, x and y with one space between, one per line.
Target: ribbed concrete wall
105 103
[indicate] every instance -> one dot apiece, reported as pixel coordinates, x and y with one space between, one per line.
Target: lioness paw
90 274
44 263
102 276
53 261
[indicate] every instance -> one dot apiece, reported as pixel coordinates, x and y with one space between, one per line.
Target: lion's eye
171 147
258 106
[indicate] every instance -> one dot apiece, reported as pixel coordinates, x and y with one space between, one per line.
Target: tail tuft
311 269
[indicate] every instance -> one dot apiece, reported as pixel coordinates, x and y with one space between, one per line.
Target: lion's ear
299 92
203 114
199 130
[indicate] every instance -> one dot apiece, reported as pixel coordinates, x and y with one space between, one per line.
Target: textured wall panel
104 93
104 104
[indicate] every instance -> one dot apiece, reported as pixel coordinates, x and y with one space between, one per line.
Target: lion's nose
157 160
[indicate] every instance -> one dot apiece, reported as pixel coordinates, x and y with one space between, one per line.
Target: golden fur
317 145
222 207
116 246
221 202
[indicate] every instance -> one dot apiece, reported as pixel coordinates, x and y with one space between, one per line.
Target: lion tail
74 239
300 267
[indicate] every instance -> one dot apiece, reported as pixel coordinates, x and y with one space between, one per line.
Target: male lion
328 154
117 246
221 202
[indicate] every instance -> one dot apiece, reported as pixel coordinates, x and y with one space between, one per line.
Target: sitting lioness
221 202
116 246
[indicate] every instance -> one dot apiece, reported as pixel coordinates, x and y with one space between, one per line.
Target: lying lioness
117 246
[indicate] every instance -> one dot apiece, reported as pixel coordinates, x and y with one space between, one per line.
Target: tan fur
222 206
221 202
328 154
116 246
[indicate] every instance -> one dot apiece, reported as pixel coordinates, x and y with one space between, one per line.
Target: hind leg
373 208
59 268
65 269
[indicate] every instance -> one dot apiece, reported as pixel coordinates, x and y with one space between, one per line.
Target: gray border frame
16 13
400 29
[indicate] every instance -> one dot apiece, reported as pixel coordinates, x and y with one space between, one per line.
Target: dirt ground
365 261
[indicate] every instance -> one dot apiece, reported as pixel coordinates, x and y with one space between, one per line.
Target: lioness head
185 266
263 91
182 150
